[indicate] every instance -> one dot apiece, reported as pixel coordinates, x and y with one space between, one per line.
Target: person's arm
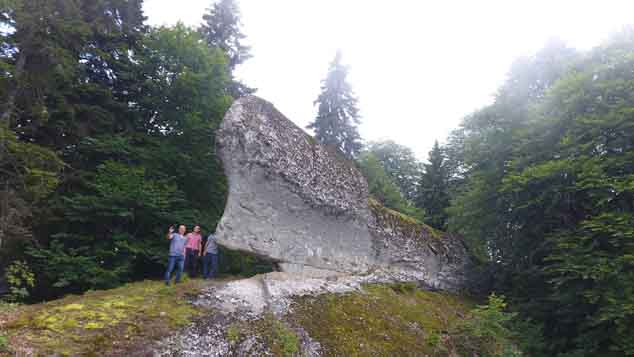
169 233
200 247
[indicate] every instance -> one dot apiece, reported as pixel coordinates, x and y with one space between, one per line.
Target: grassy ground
385 320
99 323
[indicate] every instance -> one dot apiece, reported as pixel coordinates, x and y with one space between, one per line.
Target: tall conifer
338 115
433 194
221 30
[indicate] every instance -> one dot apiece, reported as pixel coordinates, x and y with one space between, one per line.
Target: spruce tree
221 30
433 194
338 116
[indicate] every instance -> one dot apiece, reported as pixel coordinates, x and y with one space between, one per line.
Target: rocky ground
279 314
273 314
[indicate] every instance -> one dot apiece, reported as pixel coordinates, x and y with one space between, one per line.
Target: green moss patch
104 322
276 334
400 222
383 320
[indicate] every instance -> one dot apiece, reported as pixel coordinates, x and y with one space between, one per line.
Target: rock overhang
296 202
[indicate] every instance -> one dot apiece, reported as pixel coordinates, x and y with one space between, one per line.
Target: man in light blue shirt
177 253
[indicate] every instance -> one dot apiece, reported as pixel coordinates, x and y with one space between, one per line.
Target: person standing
193 251
176 256
210 258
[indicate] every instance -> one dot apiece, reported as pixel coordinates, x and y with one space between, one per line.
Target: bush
487 332
20 279
3 343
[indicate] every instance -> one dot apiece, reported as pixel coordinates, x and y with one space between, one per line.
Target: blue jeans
173 260
207 260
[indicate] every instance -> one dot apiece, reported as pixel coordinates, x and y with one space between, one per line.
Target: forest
107 136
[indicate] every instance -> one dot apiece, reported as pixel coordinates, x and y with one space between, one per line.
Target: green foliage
3 342
275 333
132 113
399 164
30 173
30 166
433 190
337 114
382 188
138 182
487 331
221 29
284 340
20 279
548 193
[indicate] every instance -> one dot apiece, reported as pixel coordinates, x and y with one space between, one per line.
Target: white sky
416 66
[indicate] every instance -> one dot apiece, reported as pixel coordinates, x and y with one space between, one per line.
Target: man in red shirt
192 251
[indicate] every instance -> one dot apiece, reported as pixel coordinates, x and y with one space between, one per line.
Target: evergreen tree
548 194
146 175
128 114
29 174
221 29
40 44
338 116
433 190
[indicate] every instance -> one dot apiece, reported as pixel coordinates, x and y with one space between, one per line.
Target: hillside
377 319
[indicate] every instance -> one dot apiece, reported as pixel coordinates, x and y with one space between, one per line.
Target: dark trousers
191 261
210 259
177 261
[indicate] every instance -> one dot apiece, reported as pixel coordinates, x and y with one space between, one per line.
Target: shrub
487 331
20 279
3 343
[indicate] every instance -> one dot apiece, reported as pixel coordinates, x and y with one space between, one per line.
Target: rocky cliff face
304 206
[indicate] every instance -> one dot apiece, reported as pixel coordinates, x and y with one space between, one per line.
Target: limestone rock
306 207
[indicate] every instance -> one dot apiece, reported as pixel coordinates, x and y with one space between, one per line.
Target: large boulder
303 205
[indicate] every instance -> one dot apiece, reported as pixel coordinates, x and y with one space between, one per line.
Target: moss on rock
383 320
275 333
400 222
102 322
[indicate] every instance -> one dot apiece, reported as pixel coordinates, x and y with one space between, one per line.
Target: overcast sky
416 66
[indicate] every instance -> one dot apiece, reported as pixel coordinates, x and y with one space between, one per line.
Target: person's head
197 229
182 229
